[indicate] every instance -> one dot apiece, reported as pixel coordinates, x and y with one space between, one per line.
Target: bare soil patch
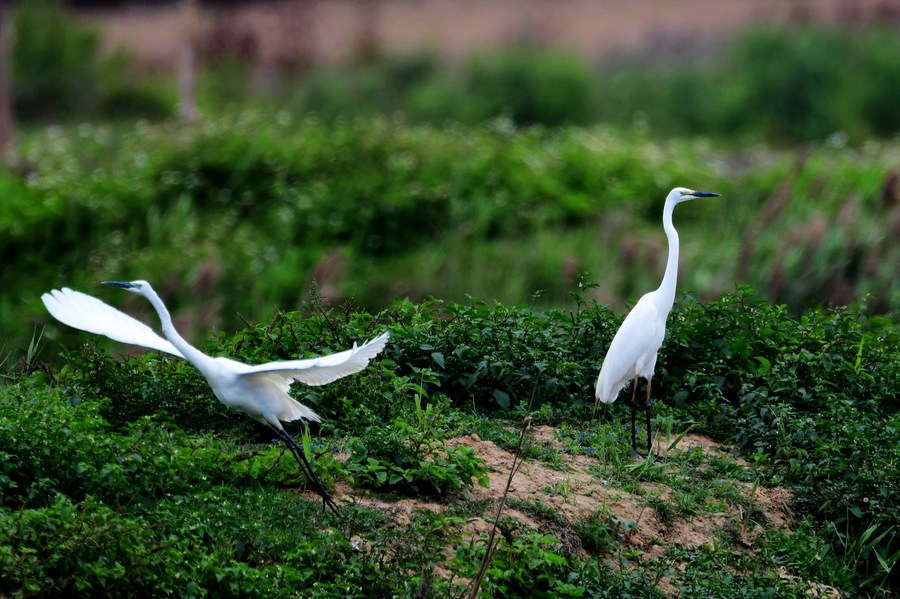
574 490
575 493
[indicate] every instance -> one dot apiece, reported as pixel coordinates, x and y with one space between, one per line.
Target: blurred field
339 31
504 176
375 209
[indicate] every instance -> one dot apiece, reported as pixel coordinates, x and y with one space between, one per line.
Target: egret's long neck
667 287
191 353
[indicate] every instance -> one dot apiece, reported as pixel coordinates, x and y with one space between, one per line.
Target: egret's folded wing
324 369
635 342
87 313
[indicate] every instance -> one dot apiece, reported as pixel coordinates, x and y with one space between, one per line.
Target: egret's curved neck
667 287
191 353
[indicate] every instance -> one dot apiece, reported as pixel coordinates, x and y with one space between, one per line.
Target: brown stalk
491 545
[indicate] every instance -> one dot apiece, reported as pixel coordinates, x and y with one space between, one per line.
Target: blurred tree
368 41
187 63
7 133
53 61
299 35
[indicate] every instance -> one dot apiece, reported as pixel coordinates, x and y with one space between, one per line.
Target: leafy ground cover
778 436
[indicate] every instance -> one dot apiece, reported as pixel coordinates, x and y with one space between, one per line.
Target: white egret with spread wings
260 390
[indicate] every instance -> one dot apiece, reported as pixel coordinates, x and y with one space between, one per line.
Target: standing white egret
633 350
259 390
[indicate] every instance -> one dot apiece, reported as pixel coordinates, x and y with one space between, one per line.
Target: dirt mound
576 493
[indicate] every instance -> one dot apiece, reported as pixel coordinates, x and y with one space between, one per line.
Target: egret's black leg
318 487
649 437
305 466
307 469
634 385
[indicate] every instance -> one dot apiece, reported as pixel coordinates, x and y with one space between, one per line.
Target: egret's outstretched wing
324 369
87 313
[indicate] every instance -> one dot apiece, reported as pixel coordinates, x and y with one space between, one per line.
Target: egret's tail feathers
602 397
297 411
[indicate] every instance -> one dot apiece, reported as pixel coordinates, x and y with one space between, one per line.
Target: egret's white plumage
260 390
87 313
633 351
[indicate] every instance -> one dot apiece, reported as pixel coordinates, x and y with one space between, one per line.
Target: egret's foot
654 457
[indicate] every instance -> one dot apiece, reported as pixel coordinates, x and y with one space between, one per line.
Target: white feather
324 369
261 391
634 348
87 313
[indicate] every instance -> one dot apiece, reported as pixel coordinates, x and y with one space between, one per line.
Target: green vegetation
491 211
103 449
58 72
783 85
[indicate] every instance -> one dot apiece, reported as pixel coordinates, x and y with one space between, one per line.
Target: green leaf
502 398
765 366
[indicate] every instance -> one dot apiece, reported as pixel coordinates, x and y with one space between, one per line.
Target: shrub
530 86
789 83
133 203
808 399
812 397
529 565
501 357
784 85
54 61
78 549
151 385
57 71
408 455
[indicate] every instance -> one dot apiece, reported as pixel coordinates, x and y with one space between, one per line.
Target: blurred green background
500 172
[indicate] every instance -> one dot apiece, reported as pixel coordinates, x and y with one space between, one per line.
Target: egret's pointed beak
704 194
122 284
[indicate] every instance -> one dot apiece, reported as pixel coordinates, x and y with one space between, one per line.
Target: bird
260 390
633 351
